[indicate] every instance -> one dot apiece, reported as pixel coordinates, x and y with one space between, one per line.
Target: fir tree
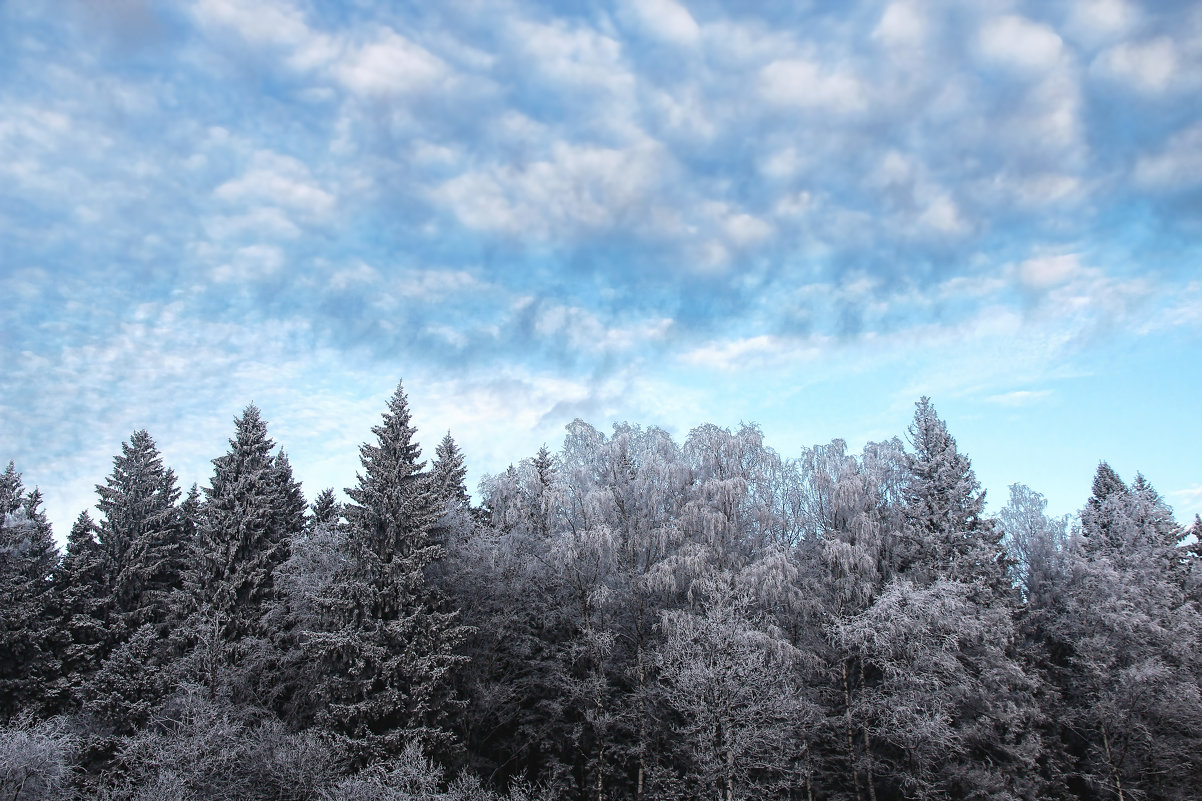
389 657
29 633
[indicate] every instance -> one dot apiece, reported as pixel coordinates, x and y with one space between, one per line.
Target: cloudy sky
804 215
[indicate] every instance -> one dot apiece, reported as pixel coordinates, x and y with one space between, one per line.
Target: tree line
627 618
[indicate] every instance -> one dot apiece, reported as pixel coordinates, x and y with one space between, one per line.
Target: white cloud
664 19
1146 66
1022 397
261 221
728 355
806 84
281 180
902 25
579 188
357 274
1020 43
575 56
744 229
1177 165
391 64
1094 20
263 22
250 263
1049 271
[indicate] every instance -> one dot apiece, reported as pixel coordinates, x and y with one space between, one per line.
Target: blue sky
805 215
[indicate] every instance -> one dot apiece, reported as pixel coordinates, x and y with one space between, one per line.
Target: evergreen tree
325 510
944 505
142 535
81 581
29 633
449 472
388 657
252 508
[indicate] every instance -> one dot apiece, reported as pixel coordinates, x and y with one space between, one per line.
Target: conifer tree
252 508
449 471
389 655
944 507
142 534
29 632
81 582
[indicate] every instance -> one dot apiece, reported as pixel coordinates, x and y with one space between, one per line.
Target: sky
803 215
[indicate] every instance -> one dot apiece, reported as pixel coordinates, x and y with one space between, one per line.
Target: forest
627 618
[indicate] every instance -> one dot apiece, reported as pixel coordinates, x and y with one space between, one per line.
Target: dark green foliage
252 509
30 635
80 581
143 536
390 645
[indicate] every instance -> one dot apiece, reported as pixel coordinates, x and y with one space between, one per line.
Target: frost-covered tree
1123 645
252 509
392 645
29 631
143 537
81 581
951 538
736 714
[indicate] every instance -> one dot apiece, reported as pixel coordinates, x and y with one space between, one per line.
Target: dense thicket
627 618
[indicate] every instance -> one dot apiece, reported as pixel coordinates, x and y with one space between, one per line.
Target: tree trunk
1114 771
851 745
867 744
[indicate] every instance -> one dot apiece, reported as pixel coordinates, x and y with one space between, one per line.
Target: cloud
391 64
902 25
665 19
515 201
1021 397
1148 67
1020 43
1177 165
577 190
282 180
805 84
1048 271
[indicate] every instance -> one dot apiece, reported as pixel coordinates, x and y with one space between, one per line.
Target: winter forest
630 617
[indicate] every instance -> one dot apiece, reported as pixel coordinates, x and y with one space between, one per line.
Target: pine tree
29 633
81 581
388 658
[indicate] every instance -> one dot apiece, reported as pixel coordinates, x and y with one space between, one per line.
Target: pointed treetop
12 491
1106 483
450 470
82 532
396 454
325 509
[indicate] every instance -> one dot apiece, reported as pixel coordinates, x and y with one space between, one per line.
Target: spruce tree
29 633
389 655
252 509
449 471
325 510
81 582
944 506
142 534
